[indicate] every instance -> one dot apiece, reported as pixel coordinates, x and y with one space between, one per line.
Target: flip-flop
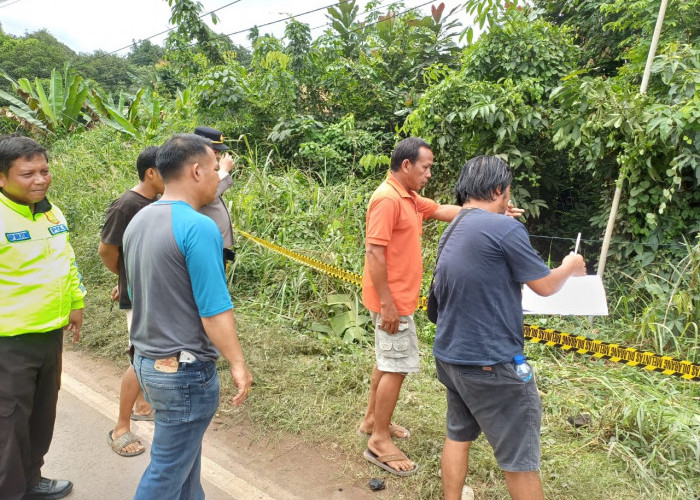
148 417
393 430
381 461
122 442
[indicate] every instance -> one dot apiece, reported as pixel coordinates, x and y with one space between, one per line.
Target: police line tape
565 341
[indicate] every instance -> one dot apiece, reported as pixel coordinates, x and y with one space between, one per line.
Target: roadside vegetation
553 87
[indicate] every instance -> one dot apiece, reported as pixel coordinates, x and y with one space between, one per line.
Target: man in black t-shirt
119 214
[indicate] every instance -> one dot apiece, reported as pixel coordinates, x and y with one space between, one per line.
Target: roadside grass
642 440
643 437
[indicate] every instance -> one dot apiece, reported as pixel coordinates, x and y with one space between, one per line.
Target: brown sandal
381 461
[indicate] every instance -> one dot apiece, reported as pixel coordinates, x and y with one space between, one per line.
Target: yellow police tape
567 342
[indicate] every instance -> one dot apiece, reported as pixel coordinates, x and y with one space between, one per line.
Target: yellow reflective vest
39 281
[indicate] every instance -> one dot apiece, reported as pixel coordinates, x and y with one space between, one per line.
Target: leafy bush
338 148
222 87
648 141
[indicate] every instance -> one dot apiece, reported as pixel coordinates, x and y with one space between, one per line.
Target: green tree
145 53
343 18
650 141
298 47
601 46
497 103
111 72
615 33
34 55
185 14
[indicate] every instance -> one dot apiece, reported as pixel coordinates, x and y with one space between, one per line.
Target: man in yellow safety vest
42 294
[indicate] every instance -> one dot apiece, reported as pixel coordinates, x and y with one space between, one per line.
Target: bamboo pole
621 178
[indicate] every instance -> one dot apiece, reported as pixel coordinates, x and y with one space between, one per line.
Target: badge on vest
18 236
51 217
60 228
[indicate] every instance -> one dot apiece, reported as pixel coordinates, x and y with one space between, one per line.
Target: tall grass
298 211
643 436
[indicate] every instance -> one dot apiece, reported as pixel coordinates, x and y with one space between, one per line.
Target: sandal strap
391 458
125 440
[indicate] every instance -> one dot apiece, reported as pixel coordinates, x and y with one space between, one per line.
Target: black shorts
495 401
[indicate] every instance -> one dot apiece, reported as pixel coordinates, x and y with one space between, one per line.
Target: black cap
215 136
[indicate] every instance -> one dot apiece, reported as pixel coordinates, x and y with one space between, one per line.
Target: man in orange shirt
390 290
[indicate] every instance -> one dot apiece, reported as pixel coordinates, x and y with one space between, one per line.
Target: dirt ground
285 468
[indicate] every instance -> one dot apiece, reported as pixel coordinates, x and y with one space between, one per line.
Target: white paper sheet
580 296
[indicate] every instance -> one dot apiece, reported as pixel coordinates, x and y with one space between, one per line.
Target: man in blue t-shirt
477 283
182 316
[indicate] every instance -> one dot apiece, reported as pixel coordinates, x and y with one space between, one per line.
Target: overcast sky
108 25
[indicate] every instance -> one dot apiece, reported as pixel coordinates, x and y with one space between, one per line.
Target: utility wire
278 21
327 24
173 28
303 14
599 241
8 4
360 28
266 24
218 37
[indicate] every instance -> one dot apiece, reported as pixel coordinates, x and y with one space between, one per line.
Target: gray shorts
398 352
494 400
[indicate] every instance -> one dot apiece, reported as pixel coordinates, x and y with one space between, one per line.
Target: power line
279 20
218 37
616 242
327 24
173 28
310 12
8 4
362 27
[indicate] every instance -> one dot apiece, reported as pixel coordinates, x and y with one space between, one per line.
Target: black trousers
30 376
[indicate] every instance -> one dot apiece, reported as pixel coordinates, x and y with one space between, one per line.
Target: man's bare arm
376 264
572 265
445 213
110 256
221 329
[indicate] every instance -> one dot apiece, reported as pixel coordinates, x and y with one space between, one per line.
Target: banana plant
61 110
140 115
344 319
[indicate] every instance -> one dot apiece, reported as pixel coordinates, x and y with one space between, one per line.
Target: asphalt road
236 465
79 452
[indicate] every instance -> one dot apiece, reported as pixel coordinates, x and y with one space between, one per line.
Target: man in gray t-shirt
477 284
182 316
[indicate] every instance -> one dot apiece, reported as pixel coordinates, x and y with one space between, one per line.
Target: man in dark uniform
217 209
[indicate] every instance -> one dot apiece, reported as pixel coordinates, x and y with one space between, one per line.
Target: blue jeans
185 402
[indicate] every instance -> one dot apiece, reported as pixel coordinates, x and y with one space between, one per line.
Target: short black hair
13 146
146 160
480 177
407 149
174 154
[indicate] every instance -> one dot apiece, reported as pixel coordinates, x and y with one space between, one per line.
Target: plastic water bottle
522 368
